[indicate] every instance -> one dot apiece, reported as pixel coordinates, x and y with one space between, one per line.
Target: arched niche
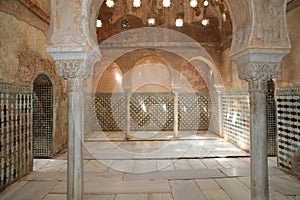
151 74
109 81
42 116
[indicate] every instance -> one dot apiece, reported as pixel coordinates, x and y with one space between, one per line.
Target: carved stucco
254 26
73 23
257 68
30 64
258 24
256 71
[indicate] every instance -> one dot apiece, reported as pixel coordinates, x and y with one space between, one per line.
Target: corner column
256 69
75 67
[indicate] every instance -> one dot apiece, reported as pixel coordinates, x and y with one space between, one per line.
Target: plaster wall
289 74
23 56
229 73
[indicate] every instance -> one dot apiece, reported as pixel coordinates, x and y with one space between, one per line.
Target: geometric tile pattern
42 117
88 108
214 119
194 111
109 111
236 118
15 133
288 124
151 111
271 119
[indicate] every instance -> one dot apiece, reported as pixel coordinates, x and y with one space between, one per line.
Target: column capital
258 71
74 62
70 69
257 64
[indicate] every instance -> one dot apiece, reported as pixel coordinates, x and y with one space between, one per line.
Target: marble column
219 89
127 87
75 139
75 71
256 69
127 119
175 124
175 89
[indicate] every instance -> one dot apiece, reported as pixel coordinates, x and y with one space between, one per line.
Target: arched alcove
151 74
42 117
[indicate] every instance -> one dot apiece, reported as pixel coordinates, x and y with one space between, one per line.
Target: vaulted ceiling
218 32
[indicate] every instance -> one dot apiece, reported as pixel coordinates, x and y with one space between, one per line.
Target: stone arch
180 45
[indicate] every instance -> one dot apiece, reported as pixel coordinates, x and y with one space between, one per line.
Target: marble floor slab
191 166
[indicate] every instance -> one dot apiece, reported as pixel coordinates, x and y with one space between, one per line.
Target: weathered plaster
289 74
251 25
23 56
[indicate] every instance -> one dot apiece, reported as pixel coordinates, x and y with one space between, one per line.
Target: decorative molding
288 91
30 63
70 69
256 66
258 71
16 89
74 62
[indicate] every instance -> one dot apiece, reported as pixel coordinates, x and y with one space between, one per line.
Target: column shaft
175 125
258 137
128 96
75 139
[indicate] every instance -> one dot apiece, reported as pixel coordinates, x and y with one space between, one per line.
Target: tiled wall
88 106
236 118
271 119
194 111
151 111
288 124
214 120
15 133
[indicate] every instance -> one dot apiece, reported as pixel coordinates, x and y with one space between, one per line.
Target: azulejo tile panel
151 111
15 132
236 118
109 111
271 119
214 121
288 124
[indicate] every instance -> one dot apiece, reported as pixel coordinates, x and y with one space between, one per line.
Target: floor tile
33 190
215 194
131 197
176 175
12 189
234 188
55 197
285 185
183 189
160 196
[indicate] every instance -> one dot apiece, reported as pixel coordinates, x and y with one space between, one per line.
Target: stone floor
192 166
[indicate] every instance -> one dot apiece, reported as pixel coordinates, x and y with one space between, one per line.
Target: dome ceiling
123 16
